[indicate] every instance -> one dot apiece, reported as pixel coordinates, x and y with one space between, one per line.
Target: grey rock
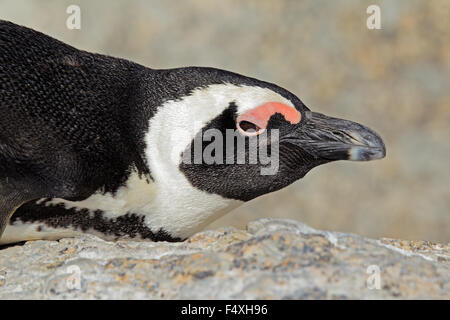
272 259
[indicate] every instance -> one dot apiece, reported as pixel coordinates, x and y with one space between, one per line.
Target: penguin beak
336 139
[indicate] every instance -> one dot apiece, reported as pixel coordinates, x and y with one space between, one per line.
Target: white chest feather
178 209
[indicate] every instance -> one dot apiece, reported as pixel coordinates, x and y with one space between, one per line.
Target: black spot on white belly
130 225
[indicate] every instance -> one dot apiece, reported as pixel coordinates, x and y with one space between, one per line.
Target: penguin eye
254 121
248 128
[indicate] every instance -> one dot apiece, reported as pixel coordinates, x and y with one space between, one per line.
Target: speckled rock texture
272 259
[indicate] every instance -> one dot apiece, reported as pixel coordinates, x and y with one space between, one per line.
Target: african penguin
95 144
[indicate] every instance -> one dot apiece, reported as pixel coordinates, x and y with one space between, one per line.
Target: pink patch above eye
260 115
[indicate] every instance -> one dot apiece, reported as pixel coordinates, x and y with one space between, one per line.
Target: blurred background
395 80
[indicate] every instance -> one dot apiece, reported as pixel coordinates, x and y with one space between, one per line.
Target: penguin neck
172 202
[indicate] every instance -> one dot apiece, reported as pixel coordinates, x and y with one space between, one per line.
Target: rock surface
272 259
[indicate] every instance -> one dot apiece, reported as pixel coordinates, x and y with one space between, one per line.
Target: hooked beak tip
362 153
369 146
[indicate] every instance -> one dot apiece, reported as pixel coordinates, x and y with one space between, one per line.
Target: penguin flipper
16 187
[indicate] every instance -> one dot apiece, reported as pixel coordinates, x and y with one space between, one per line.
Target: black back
68 112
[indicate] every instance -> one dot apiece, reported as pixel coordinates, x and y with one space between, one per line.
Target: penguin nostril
248 128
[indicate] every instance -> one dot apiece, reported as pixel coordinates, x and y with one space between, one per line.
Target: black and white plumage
92 143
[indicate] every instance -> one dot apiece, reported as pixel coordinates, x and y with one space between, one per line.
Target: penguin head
236 138
240 138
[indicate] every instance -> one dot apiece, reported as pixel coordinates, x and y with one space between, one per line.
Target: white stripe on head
180 120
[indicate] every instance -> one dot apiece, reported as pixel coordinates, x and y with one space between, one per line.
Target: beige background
395 80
